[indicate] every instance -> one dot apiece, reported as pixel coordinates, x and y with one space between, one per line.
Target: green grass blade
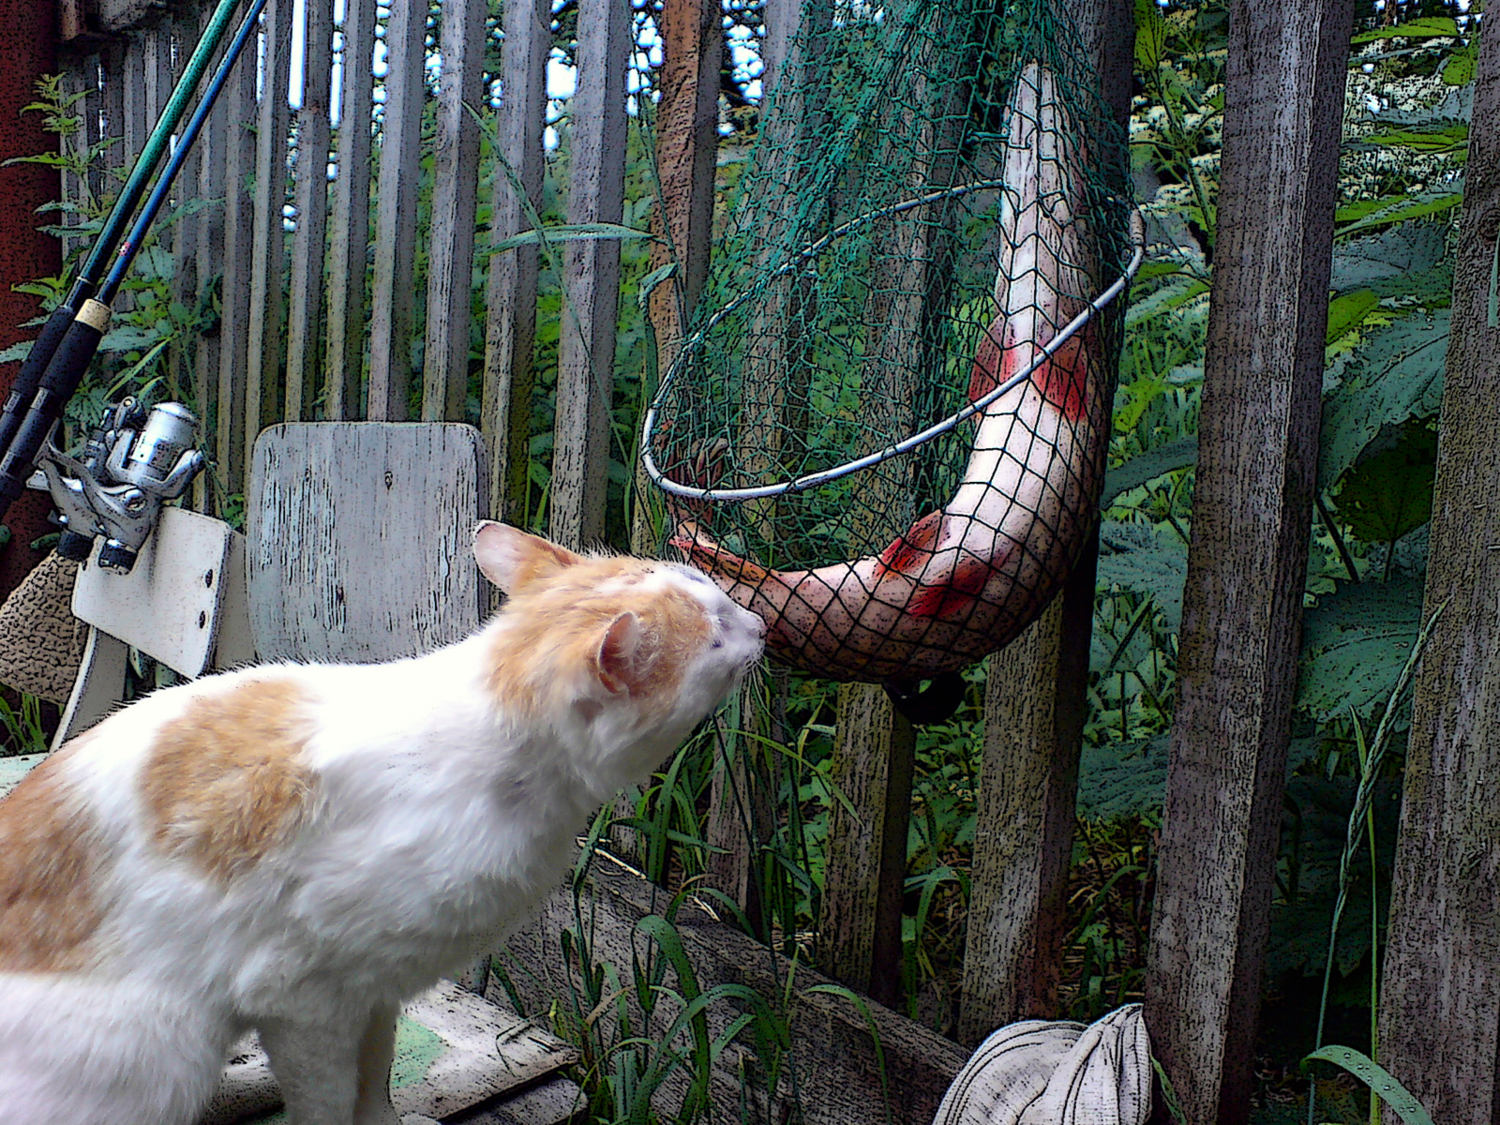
1381 1082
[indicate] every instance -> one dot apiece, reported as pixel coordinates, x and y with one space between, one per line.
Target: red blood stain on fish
964 585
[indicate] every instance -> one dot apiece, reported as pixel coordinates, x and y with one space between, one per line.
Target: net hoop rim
693 343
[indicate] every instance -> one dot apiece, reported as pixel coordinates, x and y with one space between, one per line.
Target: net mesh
937 192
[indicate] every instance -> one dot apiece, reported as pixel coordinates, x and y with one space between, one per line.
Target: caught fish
965 579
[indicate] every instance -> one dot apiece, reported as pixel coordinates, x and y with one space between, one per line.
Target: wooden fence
299 335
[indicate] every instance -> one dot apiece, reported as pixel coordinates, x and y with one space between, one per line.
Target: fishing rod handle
57 385
30 377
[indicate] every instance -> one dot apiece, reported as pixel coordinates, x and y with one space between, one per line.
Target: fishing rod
55 366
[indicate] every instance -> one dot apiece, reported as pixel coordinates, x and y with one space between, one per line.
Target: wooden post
1034 709
591 276
859 927
264 338
445 380
1242 605
305 316
209 261
350 242
234 360
395 228
1440 1000
510 295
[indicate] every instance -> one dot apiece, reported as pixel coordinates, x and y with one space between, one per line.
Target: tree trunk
1242 606
1440 1002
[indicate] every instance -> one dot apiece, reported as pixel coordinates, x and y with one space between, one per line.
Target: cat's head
611 641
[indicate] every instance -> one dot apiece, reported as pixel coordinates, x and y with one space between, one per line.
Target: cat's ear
621 661
510 558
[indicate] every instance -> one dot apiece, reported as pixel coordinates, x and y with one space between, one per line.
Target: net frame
848 299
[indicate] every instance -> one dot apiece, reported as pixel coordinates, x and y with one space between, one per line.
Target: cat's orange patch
225 783
50 866
557 631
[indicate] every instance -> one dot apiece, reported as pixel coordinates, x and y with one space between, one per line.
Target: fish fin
704 552
911 550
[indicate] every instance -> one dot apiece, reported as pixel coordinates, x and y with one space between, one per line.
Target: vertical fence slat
80 77
185 234
209 254
1034 710
1247 561
1440 999
591 275
510 292
239 108
445 378
265 339
395 225
305 303
351 215
859 929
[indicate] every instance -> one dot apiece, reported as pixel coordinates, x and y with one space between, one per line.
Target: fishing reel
131 463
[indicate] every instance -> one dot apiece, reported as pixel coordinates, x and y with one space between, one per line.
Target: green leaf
1389 492
1427 27
1395 375
1150 36
1391 261
1122 779
1354 644
1459 69
569 232
1381 1082
1148 558
1148 466
1448 136
1346 313
1368 214
16 353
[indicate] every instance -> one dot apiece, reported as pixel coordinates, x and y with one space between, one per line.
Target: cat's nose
757 623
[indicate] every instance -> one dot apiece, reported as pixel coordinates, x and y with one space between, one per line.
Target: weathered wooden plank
859 928
1035 705
239 110
185 233
510 292
305 301
395 226
265 340
168 604
1257 467
80 77
450 254
842 1075
131 73
454 1051
211 155
591 276
360 539
350 241
1023 835
1440 1001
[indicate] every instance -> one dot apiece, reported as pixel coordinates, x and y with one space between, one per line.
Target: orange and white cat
299 849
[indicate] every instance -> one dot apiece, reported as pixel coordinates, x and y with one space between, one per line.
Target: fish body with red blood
965 579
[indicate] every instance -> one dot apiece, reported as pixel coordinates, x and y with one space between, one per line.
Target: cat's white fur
443 802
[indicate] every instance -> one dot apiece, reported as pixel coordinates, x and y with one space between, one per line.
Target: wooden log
1440 1000
848 1058
180 368
591 276
208 260
1035 706
450 255
395 220
1247 561
1034 709
264 340
859 927
350 241
239 111
510 292
305 300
